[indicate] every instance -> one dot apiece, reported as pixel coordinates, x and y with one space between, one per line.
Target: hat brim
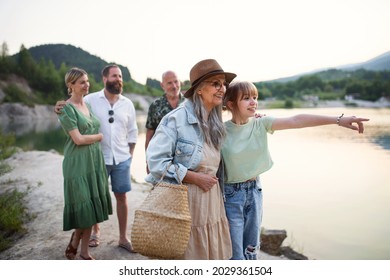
228 77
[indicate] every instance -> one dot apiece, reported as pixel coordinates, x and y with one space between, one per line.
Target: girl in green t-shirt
246 155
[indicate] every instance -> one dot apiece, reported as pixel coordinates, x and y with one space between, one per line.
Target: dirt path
45 239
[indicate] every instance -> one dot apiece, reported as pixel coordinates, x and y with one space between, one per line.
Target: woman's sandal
87 259
94 240
70 252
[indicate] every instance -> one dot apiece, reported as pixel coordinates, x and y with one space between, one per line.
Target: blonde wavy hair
72 76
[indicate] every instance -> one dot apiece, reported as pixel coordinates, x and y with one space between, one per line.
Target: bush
330 95
6 145
288 104
15 94
13 214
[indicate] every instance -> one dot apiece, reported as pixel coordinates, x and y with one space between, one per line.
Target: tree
48 81
7 64
309 82
26 64
153 83
4 50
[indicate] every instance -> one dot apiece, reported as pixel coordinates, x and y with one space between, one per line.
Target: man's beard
114 87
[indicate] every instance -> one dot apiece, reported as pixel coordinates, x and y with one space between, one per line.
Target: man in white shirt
119 127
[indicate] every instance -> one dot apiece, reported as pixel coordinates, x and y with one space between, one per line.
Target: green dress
86 194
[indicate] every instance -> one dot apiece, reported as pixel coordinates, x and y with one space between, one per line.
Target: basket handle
166 170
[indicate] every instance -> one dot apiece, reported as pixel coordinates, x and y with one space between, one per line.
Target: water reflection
383 141
24 126
53 139
43 135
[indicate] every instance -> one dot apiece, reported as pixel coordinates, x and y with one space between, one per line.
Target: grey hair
211 124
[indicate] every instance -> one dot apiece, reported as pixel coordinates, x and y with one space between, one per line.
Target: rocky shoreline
41 173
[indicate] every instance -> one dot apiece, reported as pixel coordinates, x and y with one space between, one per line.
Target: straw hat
203 70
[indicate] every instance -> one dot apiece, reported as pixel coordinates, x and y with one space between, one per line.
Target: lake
329 187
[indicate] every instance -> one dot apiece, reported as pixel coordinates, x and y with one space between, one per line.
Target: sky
258 40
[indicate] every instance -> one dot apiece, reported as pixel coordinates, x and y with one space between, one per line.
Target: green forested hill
73 56
43 68
36 75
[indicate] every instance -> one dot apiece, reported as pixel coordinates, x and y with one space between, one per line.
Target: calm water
329 187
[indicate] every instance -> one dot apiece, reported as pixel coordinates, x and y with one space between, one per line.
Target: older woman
190 137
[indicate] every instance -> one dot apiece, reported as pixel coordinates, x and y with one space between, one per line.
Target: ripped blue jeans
244 210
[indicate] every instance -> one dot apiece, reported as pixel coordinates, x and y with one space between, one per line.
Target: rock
291 254
18 111
271 240
143 101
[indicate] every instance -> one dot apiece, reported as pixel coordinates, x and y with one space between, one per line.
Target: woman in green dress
86 194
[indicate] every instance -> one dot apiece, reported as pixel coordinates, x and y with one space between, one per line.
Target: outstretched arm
305 120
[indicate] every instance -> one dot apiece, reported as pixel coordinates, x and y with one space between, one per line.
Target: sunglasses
111 113
217 84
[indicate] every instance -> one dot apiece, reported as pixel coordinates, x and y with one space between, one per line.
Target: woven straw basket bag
162 224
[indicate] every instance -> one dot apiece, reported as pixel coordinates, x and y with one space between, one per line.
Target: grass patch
4 168
282 104
13 210
7 148
13 216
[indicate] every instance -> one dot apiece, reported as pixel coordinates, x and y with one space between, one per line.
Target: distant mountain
74 56
379 63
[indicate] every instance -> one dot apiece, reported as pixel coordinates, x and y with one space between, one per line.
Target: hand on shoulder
58 107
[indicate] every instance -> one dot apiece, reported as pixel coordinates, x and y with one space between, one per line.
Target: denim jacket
177 140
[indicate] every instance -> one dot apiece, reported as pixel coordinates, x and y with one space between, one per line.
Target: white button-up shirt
118 134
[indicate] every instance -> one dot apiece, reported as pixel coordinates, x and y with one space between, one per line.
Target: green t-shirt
245 149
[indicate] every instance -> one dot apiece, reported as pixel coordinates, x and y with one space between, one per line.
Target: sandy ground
45 239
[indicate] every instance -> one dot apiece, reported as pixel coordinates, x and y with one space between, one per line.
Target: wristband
339 118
